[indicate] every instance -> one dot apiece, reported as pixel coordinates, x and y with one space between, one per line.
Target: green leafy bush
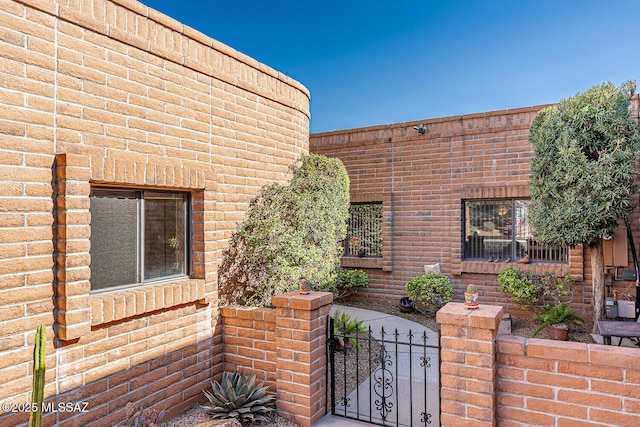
583 173
527 290
290 232
518 284
346 283
432 290
240 397
557 315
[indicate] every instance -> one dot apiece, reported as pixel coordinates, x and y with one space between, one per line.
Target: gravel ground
354 365
197 415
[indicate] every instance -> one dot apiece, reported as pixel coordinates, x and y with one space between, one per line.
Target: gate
388 379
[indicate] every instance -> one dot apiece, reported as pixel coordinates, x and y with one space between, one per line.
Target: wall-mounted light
421 130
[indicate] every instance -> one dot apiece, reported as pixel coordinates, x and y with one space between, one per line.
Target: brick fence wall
490 379
286 348
111 92
422 181
544 382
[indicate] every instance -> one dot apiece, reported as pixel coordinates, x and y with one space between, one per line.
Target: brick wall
114 93
545 382
490 379
249 336
286 348
424 180
467 364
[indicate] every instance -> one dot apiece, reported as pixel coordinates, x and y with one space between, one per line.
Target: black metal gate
389 379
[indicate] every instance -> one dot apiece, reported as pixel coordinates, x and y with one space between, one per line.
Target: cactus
39 368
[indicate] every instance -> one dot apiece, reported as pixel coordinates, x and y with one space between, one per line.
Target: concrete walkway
399 360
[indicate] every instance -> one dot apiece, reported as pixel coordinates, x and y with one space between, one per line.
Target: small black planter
406 305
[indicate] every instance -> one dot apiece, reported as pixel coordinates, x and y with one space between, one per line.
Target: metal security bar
499 230
389 379
364 232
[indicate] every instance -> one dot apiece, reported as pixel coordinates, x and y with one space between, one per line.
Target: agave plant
238 396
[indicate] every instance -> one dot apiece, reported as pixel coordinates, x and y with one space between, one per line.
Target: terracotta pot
559 332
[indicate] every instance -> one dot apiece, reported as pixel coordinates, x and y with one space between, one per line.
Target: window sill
364 262
116 305
485 267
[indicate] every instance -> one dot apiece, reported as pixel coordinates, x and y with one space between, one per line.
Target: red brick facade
424 180
110 92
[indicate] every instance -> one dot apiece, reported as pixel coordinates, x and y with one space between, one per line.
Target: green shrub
527 290
432 290
520 287
240 397
346 283
583 173
290 232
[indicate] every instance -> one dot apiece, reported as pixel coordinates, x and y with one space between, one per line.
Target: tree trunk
597 277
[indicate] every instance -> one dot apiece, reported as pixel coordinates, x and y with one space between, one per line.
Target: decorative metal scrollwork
383 386
426 418
344 401
425 361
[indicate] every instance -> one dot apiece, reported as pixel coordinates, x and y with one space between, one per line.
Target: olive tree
582 173
290 233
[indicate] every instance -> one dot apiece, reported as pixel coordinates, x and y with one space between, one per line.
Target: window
137 236
498 229
364 231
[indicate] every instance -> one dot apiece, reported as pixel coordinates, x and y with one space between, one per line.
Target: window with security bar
364 231
499 231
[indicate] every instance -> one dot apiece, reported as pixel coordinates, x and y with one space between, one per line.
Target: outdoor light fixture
421 130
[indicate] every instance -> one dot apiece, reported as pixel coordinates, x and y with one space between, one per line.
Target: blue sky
377 62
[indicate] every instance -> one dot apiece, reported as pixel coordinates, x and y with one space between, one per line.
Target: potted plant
557 319
305 288
471 298
406 305
433 290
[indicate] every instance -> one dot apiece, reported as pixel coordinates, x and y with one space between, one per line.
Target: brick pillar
301 339
468 364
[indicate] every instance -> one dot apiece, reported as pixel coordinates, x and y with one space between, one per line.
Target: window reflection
499 230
